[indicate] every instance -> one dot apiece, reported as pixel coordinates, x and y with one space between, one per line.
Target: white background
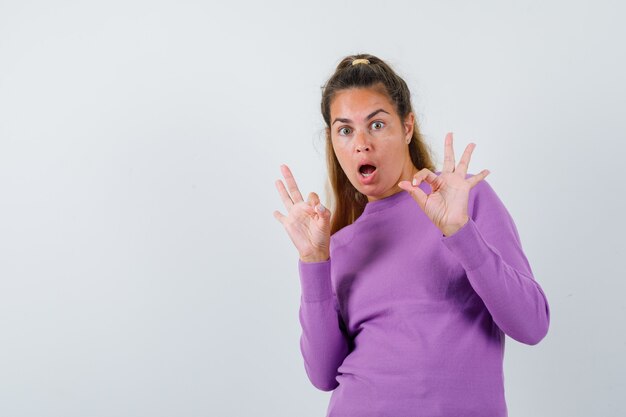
141 270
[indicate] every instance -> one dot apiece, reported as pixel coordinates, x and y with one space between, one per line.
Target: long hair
347 203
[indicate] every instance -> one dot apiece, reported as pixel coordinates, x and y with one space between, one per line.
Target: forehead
356 101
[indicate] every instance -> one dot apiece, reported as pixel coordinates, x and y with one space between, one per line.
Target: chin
369 191
372 194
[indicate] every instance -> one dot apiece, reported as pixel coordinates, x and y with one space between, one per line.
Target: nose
362 142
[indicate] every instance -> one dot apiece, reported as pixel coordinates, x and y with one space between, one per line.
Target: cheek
340 151
395 152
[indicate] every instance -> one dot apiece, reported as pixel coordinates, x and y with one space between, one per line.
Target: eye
342 131
377 125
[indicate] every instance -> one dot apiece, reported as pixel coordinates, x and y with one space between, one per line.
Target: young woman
410 287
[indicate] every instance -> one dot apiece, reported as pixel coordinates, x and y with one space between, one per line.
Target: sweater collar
384 203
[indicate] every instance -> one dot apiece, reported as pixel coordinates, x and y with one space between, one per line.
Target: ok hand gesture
447 204
306 222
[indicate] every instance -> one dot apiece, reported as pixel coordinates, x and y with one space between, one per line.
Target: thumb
416 192
323 214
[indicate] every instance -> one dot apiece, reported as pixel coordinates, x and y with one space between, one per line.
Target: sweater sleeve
489 249
323 343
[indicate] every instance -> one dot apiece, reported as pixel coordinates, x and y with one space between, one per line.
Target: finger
413 188
296 197
475 179
313 199
323 214
279 216
284 195
461 168
424 174
315 204
448 154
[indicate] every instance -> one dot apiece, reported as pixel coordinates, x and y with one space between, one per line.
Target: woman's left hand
447 204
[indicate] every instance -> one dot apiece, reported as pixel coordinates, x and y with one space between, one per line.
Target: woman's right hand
306 222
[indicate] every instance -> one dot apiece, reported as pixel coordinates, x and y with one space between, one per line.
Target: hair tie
360 61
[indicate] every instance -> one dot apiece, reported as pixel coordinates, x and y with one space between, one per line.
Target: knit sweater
403 321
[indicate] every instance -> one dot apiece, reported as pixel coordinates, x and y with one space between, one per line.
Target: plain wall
141 270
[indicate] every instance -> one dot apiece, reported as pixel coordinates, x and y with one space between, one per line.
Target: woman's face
370 141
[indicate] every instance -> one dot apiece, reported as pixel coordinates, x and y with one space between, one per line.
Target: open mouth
367 170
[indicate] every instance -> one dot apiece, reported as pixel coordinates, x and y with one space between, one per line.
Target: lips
367 172
366 166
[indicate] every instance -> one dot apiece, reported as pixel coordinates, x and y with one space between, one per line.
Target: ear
409 123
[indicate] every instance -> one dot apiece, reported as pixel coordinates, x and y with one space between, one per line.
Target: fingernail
414 182
321 208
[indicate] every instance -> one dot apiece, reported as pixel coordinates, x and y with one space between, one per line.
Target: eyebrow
374 113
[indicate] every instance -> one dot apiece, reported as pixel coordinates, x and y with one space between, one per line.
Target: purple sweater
403 321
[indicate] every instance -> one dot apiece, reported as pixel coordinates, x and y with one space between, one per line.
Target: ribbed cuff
315 280
468 246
